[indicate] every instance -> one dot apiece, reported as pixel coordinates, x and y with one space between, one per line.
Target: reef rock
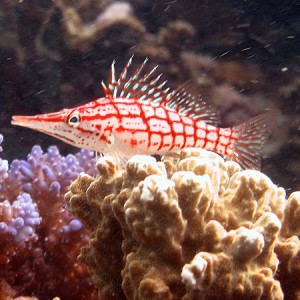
191 227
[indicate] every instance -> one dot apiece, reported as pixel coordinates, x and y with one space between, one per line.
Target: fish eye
74 118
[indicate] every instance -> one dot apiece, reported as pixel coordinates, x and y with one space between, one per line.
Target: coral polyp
193 227
39 239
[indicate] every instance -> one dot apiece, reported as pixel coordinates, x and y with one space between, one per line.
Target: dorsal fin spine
124 72
112 73
146 88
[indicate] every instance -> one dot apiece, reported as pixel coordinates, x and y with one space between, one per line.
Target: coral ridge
188 227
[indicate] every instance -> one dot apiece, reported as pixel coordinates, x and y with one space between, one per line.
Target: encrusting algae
193 227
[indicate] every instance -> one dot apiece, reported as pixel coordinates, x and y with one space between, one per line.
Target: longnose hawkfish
138 115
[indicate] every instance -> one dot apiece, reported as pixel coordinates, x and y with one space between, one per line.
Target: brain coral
193 227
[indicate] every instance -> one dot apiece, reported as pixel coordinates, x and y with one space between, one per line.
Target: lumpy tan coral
188 227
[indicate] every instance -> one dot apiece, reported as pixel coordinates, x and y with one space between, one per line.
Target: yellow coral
193 227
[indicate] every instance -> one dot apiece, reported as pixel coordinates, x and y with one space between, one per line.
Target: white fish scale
149 127
154 129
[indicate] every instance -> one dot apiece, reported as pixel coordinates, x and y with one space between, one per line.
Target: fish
140 115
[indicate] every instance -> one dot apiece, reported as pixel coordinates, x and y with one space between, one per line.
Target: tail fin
250 138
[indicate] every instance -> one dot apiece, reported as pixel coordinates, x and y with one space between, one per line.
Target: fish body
139 116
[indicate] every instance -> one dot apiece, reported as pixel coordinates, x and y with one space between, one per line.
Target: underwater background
241 55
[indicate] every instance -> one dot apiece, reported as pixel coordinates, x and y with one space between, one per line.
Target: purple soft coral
39 239
20 218
51 171
3 163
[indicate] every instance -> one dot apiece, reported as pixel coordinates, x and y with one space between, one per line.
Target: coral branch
193 227
39 239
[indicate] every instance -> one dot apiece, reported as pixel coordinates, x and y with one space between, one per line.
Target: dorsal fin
184 99
148 88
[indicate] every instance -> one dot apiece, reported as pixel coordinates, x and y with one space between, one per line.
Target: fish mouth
21 121
31 122
39 123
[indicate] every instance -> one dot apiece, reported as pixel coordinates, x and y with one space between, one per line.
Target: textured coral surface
39 239
190 227
240 54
